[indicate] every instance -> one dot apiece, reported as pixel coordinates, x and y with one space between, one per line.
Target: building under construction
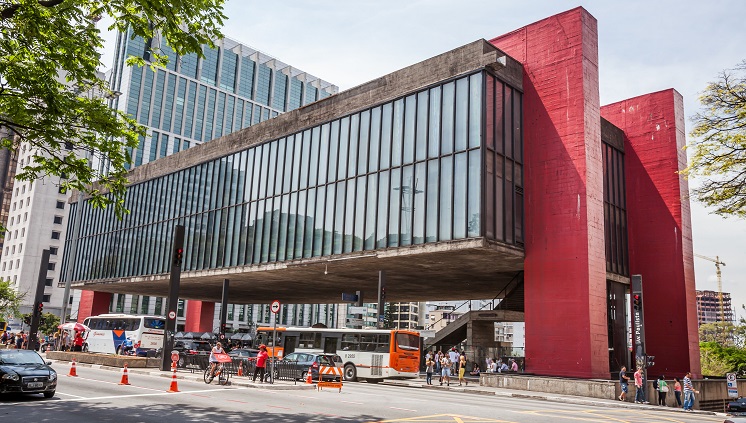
708 307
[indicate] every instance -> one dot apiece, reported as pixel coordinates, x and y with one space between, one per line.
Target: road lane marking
405 409
447 418
353 402
69 395
117 384
280 407
164 393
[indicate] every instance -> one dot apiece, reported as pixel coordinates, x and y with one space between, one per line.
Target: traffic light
649 361
39 308
178 255
637 302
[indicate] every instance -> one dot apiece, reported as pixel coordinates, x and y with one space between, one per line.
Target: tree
10 300
52 98
720 144
47 324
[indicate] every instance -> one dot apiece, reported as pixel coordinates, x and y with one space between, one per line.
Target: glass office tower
194 100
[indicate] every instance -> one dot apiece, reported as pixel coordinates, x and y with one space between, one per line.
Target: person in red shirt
78 342
261 363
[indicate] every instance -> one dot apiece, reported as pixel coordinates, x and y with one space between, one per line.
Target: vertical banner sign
638 320
275 309
732 385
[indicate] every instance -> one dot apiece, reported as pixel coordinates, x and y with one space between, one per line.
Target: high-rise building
192 101
708 307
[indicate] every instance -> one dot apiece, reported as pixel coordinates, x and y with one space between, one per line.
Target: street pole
173 297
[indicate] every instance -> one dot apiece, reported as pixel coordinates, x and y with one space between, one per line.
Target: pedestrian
445 366
64 339
78 341
514 365
453 356
623 383
438 368
493 366
662 390
503 367
689 392
462 369
261 363
677 391
19 340
4 338
429 365
639 390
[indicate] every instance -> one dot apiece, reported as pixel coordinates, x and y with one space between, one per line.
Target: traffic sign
427 333
358 310
731 385
349 297
354 322
174 356
172 315
275 307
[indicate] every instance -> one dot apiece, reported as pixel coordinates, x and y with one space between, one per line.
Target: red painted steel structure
565 269
93 303
199 316
660 228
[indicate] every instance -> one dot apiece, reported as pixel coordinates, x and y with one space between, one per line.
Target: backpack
655 384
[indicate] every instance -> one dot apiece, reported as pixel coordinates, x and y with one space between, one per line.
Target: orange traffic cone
125 376
309 377
174 386
240 370
72 369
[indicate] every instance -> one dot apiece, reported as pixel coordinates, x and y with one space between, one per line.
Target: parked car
192 352
732 419
243 353
298 363
25 372
736 406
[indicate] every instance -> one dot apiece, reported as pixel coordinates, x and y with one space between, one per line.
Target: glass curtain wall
615 210
400 173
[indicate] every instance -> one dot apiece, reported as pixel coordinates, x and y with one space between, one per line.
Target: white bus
370 354
109 332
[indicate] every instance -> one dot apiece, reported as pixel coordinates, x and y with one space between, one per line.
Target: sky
644 46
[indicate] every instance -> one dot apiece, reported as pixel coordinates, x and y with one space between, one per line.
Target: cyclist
217 349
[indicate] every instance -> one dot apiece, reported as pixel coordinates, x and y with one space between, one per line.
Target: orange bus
370 354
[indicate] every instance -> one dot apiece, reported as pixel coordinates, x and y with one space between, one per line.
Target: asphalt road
95 396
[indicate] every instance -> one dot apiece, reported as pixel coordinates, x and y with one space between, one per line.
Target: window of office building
263 84
405 172
145 305
209 74
58 220
246 80
228 71
278 98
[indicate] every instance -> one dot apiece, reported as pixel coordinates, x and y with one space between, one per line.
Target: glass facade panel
209 74
307 194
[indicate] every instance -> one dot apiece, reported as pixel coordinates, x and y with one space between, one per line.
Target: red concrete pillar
93 303
659 226
565 269
199 316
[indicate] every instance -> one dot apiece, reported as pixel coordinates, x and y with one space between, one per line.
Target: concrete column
93 303
199 316
659 225
565 268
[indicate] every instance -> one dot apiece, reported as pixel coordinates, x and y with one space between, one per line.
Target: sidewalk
475 388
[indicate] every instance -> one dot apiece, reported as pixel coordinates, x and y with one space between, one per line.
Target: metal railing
275 369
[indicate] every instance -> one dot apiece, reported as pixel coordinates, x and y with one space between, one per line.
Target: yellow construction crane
718 263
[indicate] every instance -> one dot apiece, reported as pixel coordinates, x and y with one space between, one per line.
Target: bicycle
217 370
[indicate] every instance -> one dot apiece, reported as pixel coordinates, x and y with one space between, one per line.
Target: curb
196 378
479 390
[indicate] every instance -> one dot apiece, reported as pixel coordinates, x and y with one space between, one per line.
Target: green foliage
10 301
720 144
52 97
724 333
717 360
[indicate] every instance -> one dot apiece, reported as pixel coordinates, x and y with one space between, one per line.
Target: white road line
353 402
69 395
144 395
405 409
116 383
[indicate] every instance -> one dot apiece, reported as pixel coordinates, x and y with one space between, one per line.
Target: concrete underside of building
447 271
584 235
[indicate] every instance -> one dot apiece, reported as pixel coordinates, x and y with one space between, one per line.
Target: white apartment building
37 221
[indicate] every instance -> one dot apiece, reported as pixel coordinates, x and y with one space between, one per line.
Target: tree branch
11 10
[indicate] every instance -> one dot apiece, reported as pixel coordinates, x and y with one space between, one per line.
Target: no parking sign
730 379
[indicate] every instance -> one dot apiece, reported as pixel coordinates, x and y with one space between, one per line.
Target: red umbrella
74 326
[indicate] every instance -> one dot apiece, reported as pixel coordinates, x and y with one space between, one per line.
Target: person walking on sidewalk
445 366
639 389
662 390
462 369
429 365
689 392
677 391
261 363
623 383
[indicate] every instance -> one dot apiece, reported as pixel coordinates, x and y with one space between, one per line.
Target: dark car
243 353
25 372
737 406
296 365
192 353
